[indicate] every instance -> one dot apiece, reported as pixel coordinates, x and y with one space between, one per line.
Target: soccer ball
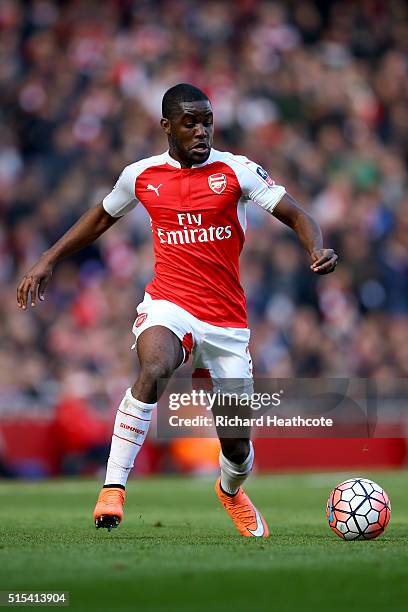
358 509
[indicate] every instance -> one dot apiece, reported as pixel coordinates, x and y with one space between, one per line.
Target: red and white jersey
198 220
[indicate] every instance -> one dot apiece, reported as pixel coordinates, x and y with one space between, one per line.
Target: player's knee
235 450
156 370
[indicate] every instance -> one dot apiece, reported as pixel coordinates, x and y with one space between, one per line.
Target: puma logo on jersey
155 189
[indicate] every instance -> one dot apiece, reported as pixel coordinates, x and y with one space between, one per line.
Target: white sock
234 474
131 427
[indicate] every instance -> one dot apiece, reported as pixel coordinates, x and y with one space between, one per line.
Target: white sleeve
122 199
257 185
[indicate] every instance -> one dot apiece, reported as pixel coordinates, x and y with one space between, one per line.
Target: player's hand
324 261
34 282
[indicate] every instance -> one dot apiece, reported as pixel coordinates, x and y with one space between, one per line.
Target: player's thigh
225 355
172 338
159 350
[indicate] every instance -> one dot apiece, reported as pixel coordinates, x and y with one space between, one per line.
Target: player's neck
187 163
182 162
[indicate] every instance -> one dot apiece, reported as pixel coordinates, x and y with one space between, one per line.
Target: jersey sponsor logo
131 428
141 319
191 231
217 182
265 176
155 189
188 235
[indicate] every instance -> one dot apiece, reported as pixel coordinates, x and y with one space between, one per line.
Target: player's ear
165 123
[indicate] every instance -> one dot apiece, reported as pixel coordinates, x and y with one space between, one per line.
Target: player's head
188 122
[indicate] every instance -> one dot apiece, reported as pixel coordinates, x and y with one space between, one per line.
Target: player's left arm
289 212
257 185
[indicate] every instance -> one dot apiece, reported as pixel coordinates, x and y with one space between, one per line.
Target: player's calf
234 471
159 353
131 426
236 461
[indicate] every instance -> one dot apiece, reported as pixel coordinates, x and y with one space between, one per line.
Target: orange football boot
247 519
108 511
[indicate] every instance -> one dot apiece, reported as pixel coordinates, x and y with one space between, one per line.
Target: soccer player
196 197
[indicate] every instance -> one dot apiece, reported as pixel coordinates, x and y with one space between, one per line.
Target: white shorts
217 352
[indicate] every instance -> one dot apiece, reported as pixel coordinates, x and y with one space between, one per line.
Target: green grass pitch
177 549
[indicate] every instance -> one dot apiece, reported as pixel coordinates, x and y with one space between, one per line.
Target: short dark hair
183 92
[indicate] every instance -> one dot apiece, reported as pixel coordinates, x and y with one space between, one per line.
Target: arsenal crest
141 319
217 182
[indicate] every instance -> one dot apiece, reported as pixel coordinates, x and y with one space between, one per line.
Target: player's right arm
86 230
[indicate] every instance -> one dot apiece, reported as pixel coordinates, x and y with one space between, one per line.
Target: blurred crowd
316 92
